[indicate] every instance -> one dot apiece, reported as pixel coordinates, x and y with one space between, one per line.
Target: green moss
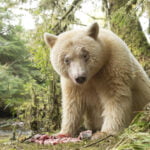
126 25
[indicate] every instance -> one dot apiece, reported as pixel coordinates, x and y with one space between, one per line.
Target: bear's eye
67 61
85 56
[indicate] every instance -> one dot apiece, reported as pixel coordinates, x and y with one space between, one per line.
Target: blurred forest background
29 87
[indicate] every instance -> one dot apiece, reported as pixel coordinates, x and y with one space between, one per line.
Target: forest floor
135 137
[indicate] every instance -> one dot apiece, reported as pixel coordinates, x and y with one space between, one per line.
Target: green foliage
41 112
27 75
137 136
14 62
45 96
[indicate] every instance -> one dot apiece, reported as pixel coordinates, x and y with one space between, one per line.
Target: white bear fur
116 86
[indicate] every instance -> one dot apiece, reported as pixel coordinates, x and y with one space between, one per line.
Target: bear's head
76 54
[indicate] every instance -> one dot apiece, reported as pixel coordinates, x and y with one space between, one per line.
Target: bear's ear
50 39
93 30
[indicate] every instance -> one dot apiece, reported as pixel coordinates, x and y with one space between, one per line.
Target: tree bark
125 23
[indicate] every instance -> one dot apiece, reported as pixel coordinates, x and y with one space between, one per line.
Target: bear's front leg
116 114
72 114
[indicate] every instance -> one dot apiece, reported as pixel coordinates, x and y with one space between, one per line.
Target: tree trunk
125 23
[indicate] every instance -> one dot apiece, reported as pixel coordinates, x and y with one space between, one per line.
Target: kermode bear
102 83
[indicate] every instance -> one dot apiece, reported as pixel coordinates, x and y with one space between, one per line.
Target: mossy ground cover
7 145
135 137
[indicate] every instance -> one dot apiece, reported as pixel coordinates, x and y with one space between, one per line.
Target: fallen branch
97 141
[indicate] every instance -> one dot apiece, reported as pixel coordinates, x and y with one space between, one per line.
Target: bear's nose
80 79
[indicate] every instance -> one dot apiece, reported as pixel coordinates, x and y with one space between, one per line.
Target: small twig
27 138
97 141
95 18
118 143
